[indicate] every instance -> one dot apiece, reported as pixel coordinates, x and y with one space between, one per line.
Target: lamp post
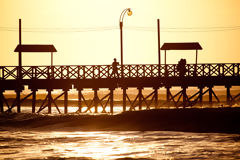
129 12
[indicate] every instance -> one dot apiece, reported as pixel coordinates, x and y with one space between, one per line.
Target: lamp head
129 12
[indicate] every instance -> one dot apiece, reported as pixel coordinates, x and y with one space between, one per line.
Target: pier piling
49 97
79 100
65 101
210 95
96 100
124 98
156 97
1 101
228 99
33 100
18 100
111 100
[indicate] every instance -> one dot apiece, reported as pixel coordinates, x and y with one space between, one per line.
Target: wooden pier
95 77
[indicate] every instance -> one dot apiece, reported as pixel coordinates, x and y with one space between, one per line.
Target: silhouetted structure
137 76
95 77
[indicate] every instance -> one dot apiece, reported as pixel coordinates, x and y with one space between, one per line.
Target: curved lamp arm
128 11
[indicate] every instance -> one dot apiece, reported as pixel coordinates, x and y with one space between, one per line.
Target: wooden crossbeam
41 107
99 101
14 102
234 99
52 100
132 104
215 96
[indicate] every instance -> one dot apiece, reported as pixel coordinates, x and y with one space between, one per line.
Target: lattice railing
129 71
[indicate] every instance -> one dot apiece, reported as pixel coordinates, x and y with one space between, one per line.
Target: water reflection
113 145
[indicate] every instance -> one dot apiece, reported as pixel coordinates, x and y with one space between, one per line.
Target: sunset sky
86 32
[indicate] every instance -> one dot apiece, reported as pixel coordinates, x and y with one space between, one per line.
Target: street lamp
129 13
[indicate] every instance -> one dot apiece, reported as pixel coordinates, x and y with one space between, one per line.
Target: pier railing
129 71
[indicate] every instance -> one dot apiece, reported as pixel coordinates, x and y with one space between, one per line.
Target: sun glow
87 32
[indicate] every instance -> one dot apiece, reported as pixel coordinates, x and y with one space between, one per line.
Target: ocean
84 145
59 141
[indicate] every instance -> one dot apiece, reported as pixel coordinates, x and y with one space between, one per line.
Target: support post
96 100
210 95
20 53
140 98
80 100
33 100
111 100
228 95
1 101
156 97
121 43
168 94
18 100
49 97
66 101
159 48
124 98
166 71
200 95
184 96
195 68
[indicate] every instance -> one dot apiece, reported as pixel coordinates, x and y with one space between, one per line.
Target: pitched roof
181 46
35 48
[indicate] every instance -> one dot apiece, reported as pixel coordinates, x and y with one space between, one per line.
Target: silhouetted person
115 68
181 67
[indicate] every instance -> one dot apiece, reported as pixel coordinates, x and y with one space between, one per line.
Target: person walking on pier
115 68
181 67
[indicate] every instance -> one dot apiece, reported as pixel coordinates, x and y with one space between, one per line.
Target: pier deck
130 76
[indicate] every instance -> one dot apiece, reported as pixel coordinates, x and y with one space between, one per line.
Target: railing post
93 75
144 70
78 70
108 71
99 72
32 72
129 70
137 70
68 72
238 69
3 75
52 72
84 72
166 71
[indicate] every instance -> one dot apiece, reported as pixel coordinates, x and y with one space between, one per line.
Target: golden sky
86 32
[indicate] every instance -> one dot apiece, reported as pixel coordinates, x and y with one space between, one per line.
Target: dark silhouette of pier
95 77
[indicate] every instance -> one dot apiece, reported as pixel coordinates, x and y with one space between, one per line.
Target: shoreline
205 120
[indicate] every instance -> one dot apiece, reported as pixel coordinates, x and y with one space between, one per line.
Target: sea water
43 143
30 144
